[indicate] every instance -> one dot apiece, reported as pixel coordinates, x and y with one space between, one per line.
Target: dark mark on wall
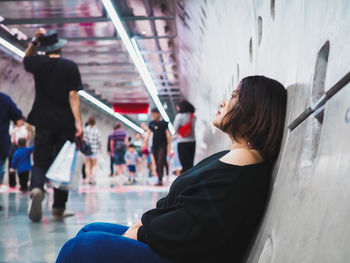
347 116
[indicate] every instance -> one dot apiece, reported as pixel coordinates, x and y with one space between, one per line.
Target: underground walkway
24 241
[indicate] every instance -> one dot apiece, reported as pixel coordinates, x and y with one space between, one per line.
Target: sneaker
160 183
36 198
92 182
61 212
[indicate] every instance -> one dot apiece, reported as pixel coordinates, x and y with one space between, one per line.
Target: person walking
110 155
119 143
21 162
184 125
93 138
175 163
8 112
161 142
132 159
138 142
55 113
19 131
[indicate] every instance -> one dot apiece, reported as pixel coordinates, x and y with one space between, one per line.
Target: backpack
186 129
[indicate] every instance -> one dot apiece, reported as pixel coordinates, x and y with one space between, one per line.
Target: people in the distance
175 163
160 144
138 142
8 112
55 113
184 125
119 143
132 159
111 167
213 210
93 138
21 162
18 131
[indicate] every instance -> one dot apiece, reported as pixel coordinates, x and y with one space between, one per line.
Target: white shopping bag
62 169
75 175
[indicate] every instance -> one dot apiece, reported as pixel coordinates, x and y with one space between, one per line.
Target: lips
218 113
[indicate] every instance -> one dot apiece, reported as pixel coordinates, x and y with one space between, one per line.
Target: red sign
131 108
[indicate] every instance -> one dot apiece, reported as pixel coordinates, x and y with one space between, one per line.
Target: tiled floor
24 241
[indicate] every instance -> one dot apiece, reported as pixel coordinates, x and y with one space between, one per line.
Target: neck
54 55
240 143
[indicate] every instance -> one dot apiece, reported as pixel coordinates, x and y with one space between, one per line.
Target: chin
217 122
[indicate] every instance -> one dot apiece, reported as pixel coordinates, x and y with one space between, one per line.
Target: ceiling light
109 110
11 47
82 93
134 52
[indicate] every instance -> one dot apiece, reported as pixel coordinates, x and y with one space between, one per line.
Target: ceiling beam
97 64
94 38
114 73
93 53
65 20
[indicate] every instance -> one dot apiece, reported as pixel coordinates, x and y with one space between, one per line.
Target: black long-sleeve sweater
210 214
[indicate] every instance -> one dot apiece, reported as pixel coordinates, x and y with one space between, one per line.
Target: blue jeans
2 169
103 242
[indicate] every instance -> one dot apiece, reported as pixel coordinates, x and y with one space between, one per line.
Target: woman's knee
104 227
66 251
89 228
80 249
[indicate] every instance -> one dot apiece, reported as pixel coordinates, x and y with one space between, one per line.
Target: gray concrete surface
24 241
304 45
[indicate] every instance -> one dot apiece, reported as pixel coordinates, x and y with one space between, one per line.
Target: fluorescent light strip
109 110
151 83
138 60
11 47
82 93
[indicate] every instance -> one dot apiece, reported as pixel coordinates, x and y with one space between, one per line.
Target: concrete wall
19 84
304 45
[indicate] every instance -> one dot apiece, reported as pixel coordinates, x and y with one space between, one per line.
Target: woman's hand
132 231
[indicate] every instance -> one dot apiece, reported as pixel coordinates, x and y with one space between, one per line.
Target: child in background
22 163
132 159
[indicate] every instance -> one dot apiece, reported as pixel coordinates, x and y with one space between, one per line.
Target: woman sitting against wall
213 210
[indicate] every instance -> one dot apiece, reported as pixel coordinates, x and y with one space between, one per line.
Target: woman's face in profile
225 106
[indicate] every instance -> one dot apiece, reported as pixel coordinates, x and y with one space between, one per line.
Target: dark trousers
186 152
47 144
12 174
159 154
104 242
112 164
23 180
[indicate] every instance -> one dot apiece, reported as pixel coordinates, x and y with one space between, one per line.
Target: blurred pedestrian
8 112
55 113
138 141
184 125
19 131
132 159
21 161
92 136
110 155
175 163
119 143
161 142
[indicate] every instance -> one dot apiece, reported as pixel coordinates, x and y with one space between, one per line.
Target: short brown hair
258 114
117 125
91 121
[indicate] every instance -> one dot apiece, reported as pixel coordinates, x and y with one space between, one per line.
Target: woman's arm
132 231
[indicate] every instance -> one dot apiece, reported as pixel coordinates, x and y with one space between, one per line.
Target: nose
222 104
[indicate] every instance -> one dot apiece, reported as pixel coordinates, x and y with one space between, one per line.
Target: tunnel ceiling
106 68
